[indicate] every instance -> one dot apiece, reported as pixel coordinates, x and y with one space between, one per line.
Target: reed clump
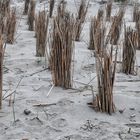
31 15
11 26
52 2
129 51
4 7
1 68
108 10
42 22
26 7
61 51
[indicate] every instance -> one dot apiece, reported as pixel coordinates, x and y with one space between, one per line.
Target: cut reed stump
61 52
26 7
31 15
52 2
42 21
11 26
129 51
1 68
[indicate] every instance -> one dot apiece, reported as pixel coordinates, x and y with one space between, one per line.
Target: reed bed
52 2
1 68
129 51
42 22
61 51
31 15
82 11
108 10
26 7
116 27
11 26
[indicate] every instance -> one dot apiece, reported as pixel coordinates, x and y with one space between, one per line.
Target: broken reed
116 26
52 2
26 7
95 22
61 51
129 51
31 15
81 15
42 22
1 68
11 26
108 10
4 7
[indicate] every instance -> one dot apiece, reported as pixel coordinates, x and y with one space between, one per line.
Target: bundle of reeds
105 75
1 68
4 7
129 51
82 11
116 27
11 26
31 15
108 10
42 21
52 2
26 7
61 51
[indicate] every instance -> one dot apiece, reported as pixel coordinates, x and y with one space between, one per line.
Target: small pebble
27 112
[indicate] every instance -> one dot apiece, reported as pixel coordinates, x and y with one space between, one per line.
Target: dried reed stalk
100 14
31 15
116 26
82 11
52 2
42 21
138 34
108 10
129 51
61 51
1 68
11 26
26 7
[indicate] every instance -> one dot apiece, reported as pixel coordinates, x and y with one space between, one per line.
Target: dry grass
129 51
42 21
1 68
11 26
31 15
26 7
62 51
52 2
